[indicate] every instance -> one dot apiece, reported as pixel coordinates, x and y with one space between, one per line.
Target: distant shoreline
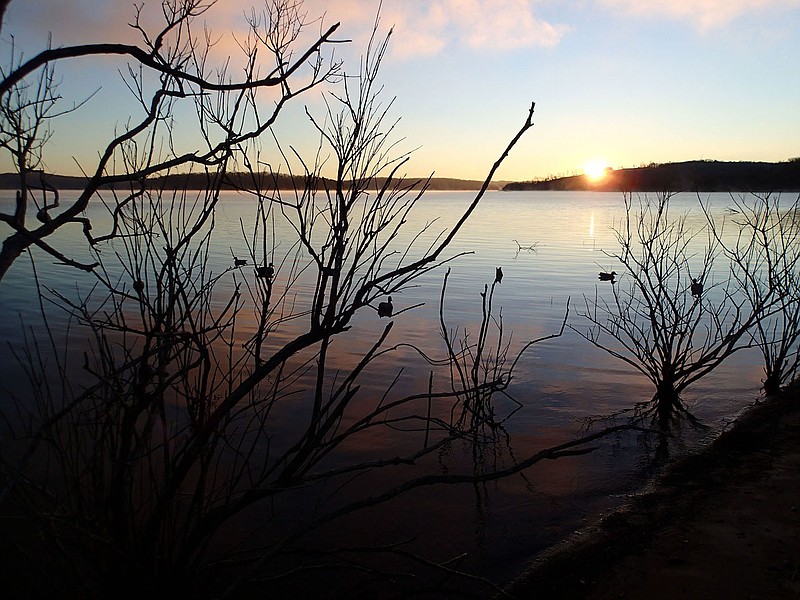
688 176
10 181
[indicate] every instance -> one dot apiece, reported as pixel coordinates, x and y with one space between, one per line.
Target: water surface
551 246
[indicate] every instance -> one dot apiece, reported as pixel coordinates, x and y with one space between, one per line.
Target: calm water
561 383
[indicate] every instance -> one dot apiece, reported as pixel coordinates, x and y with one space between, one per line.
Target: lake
551 246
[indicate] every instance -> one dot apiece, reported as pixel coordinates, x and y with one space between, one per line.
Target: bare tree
766 255
178 430
151 444
667 317
177 59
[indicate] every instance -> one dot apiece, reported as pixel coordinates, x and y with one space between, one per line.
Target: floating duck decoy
239 262
498 275
603 276
697 288
385 309
138 286
265 272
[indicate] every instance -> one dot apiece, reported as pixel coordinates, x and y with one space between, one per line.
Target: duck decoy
385 309
603 276
239 262
265 272
498 275
697 288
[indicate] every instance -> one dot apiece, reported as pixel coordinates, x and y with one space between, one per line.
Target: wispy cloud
506 24
429 27
704 14
423 27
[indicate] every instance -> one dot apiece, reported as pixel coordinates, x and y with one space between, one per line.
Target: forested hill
10 181
691 176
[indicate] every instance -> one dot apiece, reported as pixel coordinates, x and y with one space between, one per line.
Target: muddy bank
724 523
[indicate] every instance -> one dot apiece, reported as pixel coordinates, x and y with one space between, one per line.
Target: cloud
502 25
422 27
430 27
705 14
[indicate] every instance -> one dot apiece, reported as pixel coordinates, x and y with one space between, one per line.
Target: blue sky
627 81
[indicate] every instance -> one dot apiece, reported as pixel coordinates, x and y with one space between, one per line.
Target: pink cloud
428 27
503 25
423 27
705 14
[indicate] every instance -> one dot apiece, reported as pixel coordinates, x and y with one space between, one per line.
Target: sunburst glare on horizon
595 169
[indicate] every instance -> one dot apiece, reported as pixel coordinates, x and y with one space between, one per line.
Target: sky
617 82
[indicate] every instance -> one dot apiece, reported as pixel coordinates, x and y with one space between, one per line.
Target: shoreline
724 522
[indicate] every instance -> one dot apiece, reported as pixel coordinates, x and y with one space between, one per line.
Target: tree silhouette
229 112
652 321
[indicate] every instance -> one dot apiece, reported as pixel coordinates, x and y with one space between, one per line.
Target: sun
595 169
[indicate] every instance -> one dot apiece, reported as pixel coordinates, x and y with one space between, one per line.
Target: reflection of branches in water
656 444
371 561
526 248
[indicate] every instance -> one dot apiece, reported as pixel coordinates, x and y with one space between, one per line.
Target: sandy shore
721 524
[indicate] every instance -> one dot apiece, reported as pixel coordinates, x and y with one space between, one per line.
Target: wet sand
721 524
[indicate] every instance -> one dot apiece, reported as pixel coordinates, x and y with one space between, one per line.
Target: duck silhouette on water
603 276
385 309
265 272
498 275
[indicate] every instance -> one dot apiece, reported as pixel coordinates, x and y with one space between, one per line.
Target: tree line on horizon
688 176
238 181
